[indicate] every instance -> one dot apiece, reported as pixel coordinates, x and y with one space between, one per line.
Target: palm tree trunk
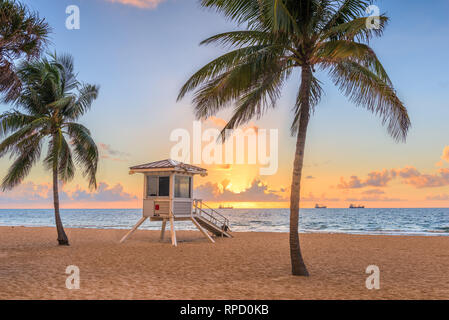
62 237
298 266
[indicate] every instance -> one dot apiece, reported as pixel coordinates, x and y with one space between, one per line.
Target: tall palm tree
52 100
22 34
286 35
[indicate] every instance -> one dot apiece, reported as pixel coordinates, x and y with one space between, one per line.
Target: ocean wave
427 222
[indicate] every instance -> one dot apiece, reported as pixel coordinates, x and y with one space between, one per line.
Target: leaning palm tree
282 36
22 34
51 100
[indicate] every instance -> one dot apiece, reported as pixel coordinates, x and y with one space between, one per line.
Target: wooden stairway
211 220
216 230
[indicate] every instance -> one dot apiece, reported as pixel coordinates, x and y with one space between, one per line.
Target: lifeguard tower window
158 186
183 187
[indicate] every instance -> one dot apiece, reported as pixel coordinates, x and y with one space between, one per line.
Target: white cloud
258 191
104 193
107 152
32 193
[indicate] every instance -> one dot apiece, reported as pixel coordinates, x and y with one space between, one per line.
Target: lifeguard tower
168 198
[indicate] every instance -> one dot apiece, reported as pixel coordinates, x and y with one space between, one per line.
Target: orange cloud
444 157
409 175
144 4
413 177
374 179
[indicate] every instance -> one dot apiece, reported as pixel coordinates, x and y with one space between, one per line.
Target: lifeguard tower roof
168 165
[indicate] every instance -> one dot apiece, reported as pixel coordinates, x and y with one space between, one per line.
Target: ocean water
429 222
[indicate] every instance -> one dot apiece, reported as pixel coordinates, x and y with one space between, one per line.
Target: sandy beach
249 266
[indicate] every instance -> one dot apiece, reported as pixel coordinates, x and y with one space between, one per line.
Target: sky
141 52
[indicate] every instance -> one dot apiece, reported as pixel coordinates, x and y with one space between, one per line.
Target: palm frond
23 164
9 144
277 16
218 67
66 167
355 30
236 83
82 103
345 11
86 151
240 11
331 52
23 34
240 38
367 89
65 64
13 120
263 94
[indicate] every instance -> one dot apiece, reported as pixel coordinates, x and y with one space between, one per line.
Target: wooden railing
212 216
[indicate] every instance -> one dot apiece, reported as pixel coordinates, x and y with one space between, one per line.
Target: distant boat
225 207
356 207
317 206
